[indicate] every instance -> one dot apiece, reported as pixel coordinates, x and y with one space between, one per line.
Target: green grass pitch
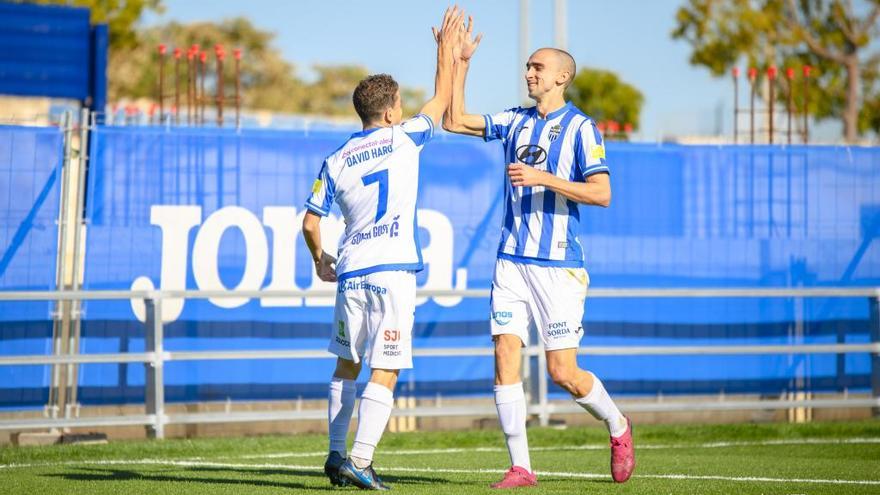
724 459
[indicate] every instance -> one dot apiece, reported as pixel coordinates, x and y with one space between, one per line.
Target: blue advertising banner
222 209
30 171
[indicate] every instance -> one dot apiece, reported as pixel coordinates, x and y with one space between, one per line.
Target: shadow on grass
548 480
109 474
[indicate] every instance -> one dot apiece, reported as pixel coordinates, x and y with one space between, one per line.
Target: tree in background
268 81
605 97
835 37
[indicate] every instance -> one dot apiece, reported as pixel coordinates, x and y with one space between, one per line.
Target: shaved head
565 61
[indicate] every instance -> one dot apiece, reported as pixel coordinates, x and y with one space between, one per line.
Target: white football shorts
374 319
551 298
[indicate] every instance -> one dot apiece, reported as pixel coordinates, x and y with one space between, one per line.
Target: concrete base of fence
483 418
34 439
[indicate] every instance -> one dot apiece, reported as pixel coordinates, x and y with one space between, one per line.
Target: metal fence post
77 264
875 356
155 381
60 325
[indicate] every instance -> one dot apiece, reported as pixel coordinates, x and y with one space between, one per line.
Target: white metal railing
155 357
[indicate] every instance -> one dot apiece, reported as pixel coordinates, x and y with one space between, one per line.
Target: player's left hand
524 175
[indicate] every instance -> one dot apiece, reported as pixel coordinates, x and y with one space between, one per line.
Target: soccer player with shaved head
554 162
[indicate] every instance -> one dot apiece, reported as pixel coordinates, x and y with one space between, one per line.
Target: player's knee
347 370
507 349
564 376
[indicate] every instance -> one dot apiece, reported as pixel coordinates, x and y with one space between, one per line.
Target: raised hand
451 26
467 43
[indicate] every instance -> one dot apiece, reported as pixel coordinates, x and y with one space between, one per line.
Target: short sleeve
323 191
419 128
589 150
498 125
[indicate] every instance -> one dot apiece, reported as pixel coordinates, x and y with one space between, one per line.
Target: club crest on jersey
531 154
555 131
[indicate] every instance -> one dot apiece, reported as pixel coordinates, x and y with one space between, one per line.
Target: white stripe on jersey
541 226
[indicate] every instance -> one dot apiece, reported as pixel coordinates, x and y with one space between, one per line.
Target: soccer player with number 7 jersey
374 177
554 162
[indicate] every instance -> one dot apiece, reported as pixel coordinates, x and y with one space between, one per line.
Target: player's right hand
450 28
326 268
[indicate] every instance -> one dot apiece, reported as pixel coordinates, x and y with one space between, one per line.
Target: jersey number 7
382 178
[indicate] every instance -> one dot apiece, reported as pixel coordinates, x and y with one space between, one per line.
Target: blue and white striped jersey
540 226
374 178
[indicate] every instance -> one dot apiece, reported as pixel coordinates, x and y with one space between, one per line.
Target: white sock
340 405
511 403
599 404
373 414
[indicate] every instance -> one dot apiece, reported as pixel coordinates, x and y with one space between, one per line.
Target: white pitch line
708 445
289 467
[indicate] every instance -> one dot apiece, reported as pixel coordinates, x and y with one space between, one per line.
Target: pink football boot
623 456
515 478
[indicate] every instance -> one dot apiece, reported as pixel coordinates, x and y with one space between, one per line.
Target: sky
629 37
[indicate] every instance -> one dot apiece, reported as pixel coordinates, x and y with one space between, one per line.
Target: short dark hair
373 95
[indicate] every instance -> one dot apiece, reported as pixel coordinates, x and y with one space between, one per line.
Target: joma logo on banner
176 222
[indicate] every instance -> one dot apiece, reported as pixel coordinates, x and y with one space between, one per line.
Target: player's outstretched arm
457 120
324 263
446 37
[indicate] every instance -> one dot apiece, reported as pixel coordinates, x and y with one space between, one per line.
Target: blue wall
682 216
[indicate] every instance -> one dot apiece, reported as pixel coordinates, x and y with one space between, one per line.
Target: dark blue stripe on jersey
596 133
391 267
545 244
507 228
510 154
510 150
541 262
573 250
522 235
580 154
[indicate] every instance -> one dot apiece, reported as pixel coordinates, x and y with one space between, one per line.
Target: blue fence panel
217 208
52 50
30 170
